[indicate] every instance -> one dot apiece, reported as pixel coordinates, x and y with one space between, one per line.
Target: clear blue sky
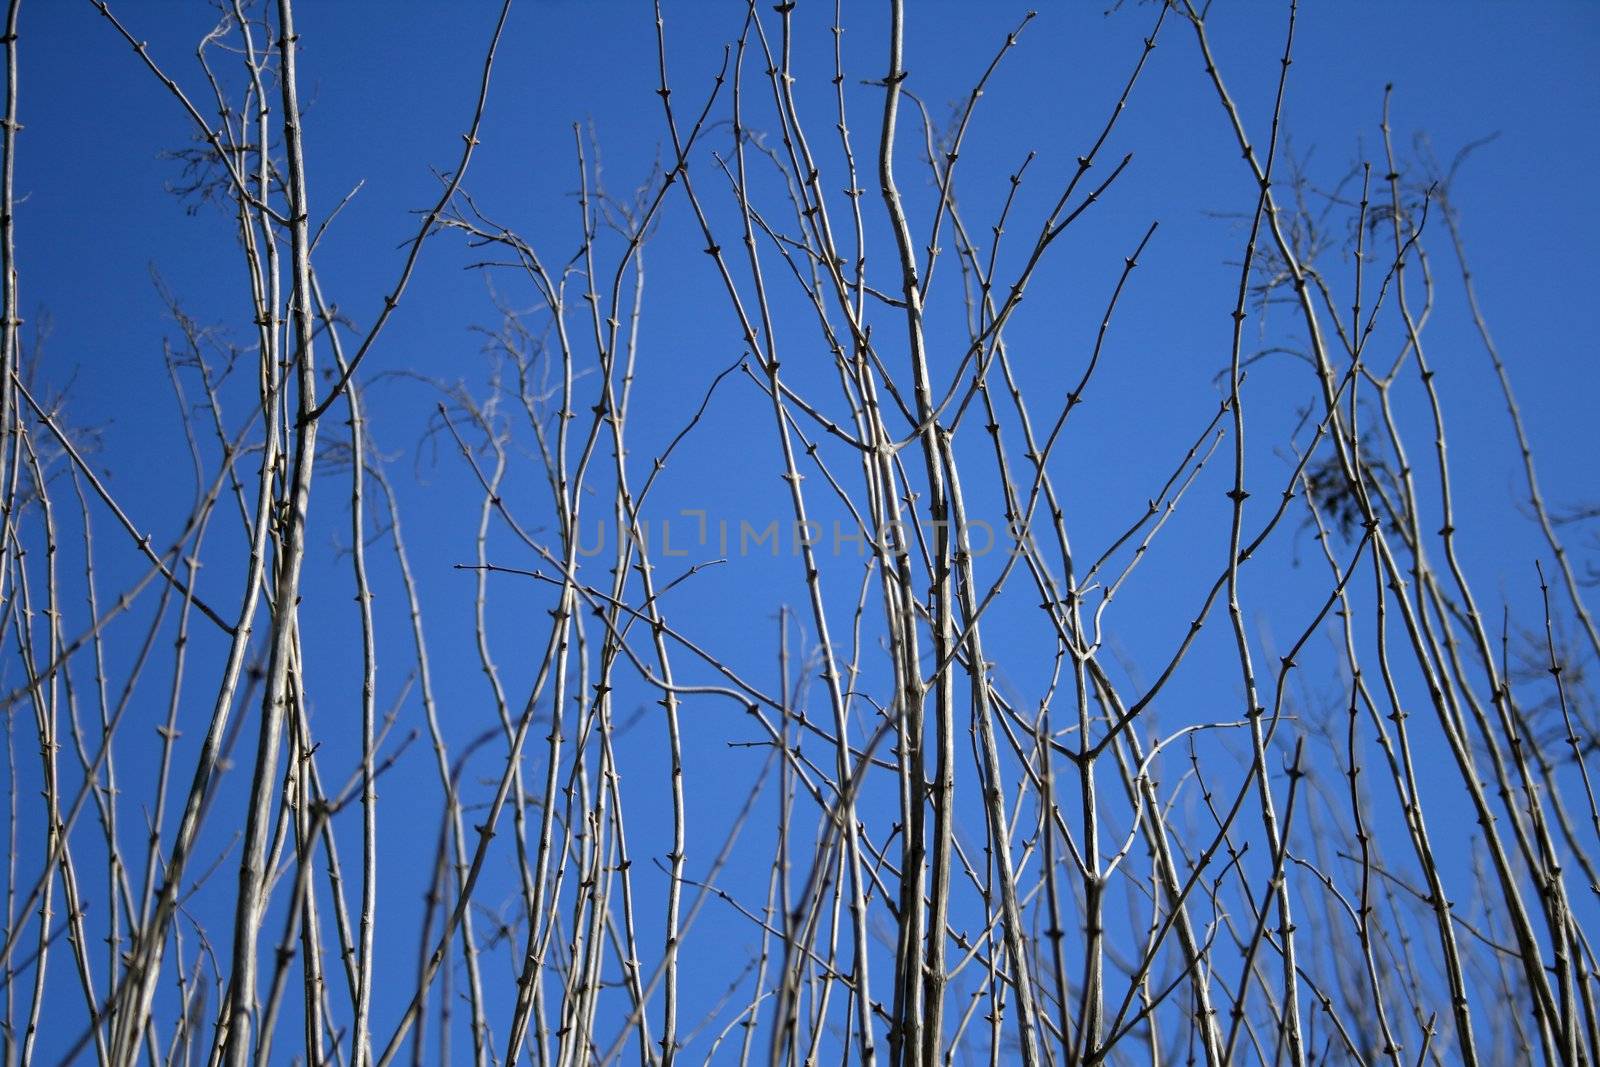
389 89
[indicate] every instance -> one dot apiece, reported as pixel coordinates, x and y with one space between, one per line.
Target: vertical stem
252 885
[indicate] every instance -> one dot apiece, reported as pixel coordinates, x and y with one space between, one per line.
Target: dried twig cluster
942 871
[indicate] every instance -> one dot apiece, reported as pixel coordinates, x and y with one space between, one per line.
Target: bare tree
1248 770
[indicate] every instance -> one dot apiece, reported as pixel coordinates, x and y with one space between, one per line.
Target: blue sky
388 91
